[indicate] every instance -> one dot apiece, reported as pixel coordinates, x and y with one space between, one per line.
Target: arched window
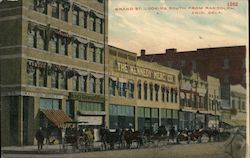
145 85
156 92
139 89
163 93
151 88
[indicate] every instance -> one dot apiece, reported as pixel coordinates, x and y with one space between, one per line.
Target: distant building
226 63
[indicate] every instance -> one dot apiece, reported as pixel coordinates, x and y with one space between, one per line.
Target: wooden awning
57 117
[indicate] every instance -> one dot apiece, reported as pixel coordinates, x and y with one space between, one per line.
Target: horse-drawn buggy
75 136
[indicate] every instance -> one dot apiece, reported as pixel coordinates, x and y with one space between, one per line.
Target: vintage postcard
124 78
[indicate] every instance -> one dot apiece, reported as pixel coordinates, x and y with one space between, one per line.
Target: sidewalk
47 149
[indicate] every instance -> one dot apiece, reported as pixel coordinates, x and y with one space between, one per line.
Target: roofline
122 49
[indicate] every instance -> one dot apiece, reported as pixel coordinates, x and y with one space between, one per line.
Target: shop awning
57 117
235 122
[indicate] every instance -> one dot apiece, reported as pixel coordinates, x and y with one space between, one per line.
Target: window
122 89
131 89
63 80
233 104
167 94
145 91
163 94
31 72
176 96
243 63
156 92
172 95
55 9
40 6
64 11
92 85
100 86
226 64
83 83
75 17
139 89
151 91
54 43
99 25
54 79
42 72
75 83
226 78
70 108
112 85
194 65
243 106
32 38
41 39
63 46
101 56
50 103
84 16
92 23
89 106
75 52
83 51
244 78
93 54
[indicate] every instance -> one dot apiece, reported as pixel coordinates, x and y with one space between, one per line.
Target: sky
177 26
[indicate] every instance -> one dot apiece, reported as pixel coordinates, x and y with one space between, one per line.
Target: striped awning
57 117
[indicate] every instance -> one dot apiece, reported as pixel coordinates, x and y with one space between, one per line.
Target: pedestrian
40 139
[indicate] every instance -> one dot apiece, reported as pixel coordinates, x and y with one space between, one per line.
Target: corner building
142 94
52 58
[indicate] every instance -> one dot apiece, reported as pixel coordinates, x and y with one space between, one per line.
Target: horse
159 136
131 137
111 138
212 133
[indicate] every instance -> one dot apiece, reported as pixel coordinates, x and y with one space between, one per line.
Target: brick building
226 63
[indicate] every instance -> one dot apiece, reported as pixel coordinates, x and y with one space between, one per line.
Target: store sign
139 71
91 120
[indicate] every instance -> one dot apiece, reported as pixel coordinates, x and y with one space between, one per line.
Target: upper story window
75 83
145 87
31 74
194 65
244 78
75 17
92 84
42 73
54 78
176 96
151 88
96 52
83 83
92 54
55 9
226 63
172 95
139 87
59 42
167 94
131 89
80 49
243 105
37 37
92 23
41 6
163 94
122 89
65 10
63 45
243 63
80 15
156 92
112 85
63 80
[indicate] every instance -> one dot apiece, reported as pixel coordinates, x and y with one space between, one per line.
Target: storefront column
136 118
20 120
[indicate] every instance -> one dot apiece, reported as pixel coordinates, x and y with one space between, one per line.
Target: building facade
52 56
229 62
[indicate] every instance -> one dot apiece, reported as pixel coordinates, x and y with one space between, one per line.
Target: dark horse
111 138
131 137
212 133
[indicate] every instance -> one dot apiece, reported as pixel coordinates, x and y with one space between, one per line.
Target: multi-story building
226 63
143 95
52 56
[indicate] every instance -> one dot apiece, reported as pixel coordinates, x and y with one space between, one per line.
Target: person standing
40 139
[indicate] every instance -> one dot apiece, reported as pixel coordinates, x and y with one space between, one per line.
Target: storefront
121 116
166 118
